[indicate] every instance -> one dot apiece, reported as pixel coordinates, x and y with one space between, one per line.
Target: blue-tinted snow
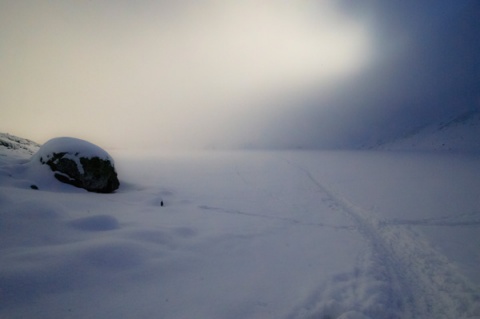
247 235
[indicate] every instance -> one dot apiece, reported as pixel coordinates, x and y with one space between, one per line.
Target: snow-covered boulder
79 163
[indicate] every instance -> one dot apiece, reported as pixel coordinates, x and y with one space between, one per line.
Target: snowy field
347 235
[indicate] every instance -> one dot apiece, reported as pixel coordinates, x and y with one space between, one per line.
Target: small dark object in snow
161 203
33 186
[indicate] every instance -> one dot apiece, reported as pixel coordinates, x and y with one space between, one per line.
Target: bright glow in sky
165 73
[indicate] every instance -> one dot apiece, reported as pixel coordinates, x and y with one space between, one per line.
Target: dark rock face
95 174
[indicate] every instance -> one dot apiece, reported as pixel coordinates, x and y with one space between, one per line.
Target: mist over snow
229 74
169 74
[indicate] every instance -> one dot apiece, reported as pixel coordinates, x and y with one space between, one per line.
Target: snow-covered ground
344 235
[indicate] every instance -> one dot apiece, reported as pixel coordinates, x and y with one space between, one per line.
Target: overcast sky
269 73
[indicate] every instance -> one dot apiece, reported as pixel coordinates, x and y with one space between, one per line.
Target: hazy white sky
168 73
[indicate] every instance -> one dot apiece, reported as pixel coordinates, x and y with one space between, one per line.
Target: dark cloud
426 68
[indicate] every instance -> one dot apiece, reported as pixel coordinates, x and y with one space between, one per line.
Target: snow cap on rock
71 145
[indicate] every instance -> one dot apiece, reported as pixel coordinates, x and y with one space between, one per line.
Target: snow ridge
11 145
458 134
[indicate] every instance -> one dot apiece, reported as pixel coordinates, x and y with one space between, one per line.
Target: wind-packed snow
345 235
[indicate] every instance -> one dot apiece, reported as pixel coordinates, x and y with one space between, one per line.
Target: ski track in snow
285 219
401 277
465 220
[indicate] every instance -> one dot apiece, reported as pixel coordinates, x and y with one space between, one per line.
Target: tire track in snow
401 277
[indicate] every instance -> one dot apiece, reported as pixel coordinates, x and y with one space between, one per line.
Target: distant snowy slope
14 146
459 134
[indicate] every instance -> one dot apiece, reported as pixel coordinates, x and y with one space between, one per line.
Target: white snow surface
345 235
